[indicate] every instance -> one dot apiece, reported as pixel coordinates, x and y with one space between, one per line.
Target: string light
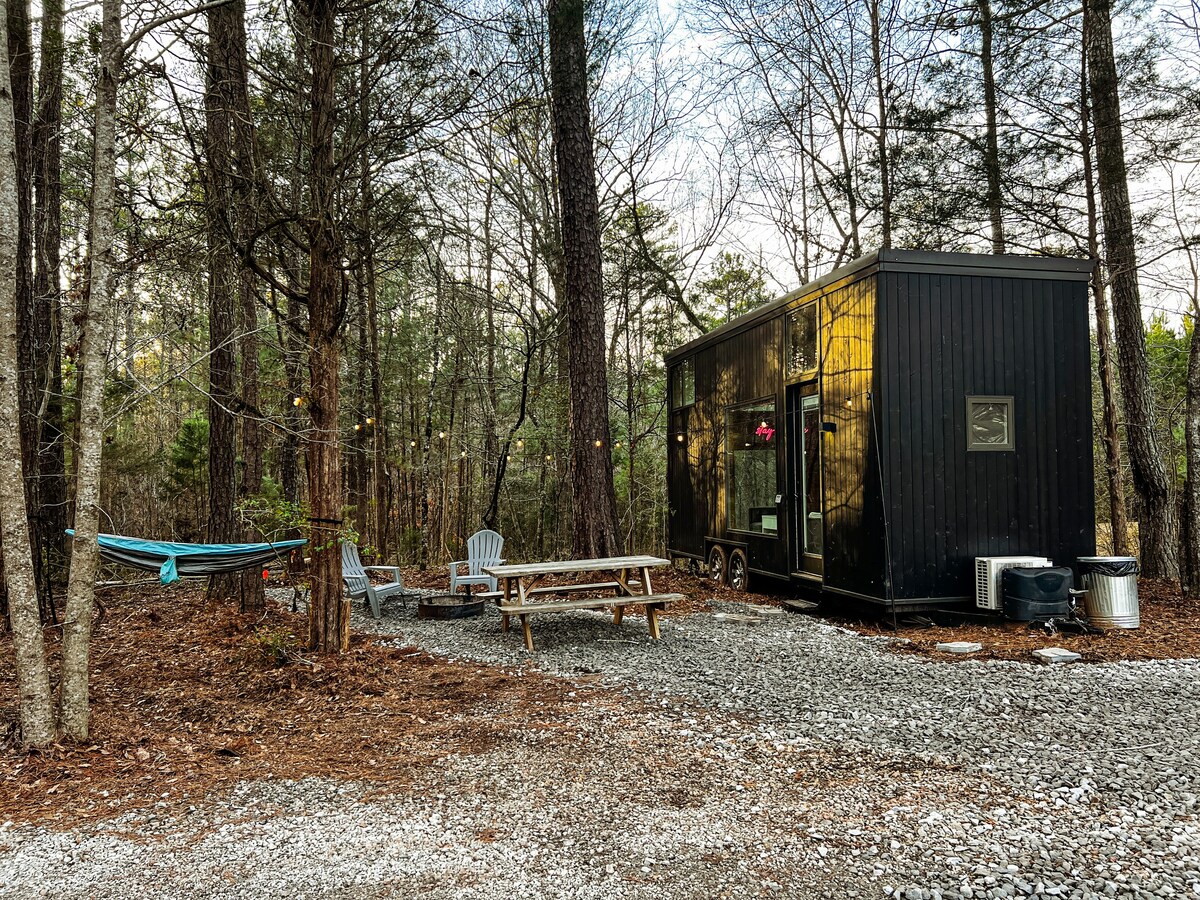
509 457
442 435
464 454
520 443
549 457
413 443
357 427
599 443
370 421
299 401
617 445
849 403
679 437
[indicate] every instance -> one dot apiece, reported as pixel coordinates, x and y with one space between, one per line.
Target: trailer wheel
717 564
739 571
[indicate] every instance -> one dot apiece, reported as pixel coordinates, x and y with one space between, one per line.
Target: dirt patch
186 699
1170 629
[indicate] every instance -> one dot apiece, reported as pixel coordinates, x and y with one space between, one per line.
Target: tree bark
47 294
244 184
1158 519
881 134
1108 394
33 676
594 522
222 429
20 58
98 330
1190 563
991 157
328 610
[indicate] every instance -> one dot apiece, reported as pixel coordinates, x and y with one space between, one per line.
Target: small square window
989 423
683 384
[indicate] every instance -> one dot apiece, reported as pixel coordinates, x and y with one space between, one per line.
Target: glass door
804 452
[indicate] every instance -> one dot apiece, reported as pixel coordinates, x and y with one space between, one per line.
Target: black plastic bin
1036 594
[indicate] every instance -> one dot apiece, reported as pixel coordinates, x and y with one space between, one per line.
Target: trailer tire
718 564
739 571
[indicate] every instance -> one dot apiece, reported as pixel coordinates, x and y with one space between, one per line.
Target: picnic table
628 577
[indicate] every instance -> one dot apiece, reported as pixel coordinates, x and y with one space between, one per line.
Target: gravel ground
789 758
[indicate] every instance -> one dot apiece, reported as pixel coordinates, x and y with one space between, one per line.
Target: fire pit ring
448 606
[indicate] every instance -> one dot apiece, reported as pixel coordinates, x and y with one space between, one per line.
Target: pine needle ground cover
190 698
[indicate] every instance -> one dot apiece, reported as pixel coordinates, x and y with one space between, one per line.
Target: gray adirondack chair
358 585
483 549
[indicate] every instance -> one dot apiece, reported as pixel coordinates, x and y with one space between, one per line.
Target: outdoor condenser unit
987 577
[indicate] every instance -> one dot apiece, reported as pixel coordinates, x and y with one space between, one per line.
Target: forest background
741 149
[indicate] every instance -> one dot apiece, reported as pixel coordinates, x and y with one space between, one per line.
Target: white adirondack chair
354 574
483 549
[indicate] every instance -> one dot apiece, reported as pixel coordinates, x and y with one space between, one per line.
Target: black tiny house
872 433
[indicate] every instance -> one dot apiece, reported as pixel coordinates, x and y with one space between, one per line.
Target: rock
960 647
1056 655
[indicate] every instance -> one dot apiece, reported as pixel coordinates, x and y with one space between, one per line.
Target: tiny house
871 434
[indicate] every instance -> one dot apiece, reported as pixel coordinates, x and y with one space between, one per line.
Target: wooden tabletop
565 566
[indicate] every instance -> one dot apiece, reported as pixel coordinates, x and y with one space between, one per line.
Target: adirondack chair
483 549
354 574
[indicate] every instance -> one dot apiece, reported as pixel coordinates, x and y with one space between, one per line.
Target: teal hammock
173 560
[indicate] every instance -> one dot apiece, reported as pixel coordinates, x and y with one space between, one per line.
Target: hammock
174 560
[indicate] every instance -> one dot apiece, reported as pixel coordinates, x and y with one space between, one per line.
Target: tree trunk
594 522
375 426
33 676
47 294
1190 564
881 134
1158 519
222 430
245 209
20 58
98 330
991 157
328 610
1108 395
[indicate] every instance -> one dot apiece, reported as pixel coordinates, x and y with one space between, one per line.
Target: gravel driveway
788 758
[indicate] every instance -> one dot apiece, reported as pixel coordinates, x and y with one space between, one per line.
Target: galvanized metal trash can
1112 594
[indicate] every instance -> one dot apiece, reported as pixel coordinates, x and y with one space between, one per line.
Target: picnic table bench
630 582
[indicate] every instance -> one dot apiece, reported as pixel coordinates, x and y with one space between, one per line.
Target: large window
750 439
802 340
989 423
683 384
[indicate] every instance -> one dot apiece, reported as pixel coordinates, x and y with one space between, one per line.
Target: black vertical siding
906 342
945 336
744 367
853 548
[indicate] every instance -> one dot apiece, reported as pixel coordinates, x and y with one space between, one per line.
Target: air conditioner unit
987 577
